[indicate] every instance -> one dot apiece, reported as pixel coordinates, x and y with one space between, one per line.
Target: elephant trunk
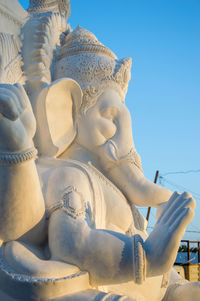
126 173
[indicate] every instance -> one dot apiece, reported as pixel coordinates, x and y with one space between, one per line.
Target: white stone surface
69 228
12 16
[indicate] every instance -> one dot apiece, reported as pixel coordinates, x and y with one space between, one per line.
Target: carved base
16 286
92 295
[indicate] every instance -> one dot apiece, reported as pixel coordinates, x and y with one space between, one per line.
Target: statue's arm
112 257
22 205
105 255
21 201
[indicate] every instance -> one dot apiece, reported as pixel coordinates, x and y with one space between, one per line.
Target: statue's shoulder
68 170
57 176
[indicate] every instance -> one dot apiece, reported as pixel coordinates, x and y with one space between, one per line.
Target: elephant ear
56 109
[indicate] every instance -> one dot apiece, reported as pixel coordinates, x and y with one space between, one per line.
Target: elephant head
86 117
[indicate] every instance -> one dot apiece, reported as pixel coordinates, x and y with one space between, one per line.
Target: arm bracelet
17 157
72 210
139 259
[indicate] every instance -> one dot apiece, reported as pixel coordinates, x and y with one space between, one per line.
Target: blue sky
162 37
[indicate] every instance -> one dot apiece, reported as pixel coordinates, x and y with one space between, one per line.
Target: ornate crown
83 41
43 5
95 67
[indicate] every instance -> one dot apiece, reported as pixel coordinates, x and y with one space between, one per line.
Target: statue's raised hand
17 122
162 244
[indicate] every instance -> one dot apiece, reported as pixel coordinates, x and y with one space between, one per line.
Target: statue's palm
163 242
17 122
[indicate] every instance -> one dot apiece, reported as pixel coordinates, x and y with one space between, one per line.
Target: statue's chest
118 212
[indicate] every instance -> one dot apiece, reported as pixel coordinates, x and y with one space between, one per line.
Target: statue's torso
117 212
108 203
119 215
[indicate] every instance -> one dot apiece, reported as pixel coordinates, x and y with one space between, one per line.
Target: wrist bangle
139 259
17 157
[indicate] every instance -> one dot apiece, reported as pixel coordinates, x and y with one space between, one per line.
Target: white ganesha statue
70 175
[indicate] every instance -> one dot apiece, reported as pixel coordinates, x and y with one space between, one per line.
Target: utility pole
155 181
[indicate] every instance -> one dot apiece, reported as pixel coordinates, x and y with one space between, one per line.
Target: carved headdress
95 67
49 5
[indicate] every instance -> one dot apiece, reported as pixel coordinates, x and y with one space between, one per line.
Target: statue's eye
109 112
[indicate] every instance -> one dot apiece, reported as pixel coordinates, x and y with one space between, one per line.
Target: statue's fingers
181 222
10 95
8 108
19 96
187 203
190 203
168 209
186 200
183 201
22 95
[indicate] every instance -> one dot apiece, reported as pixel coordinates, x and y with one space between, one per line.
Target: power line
196 229
163 179
182 172
187 231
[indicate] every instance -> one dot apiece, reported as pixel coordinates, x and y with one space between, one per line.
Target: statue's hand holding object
17 122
